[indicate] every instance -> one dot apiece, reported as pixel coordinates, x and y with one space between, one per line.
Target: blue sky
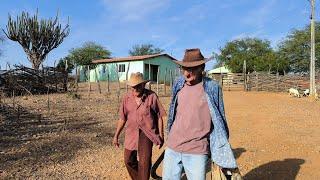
168 24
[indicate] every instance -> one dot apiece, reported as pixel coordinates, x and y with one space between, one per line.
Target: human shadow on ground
281 169
238 151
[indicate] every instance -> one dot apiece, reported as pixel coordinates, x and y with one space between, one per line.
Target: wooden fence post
77 78
97 79
277 81
119 87
229 82
127 76
158 74
149 71
245 75
117 72
165 80
54 74
170 75
66 70
257 81
248 82
48 102
89 84
108 85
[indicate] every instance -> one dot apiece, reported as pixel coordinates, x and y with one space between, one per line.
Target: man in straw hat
197 124
142 112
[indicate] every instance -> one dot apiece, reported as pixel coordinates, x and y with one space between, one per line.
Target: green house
121 68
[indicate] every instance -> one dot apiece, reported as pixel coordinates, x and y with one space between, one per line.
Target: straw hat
136 79
192 58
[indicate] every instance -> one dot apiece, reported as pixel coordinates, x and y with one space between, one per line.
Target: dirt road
273 136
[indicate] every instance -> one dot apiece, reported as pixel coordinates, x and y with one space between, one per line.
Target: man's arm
120 126
222 110
160 126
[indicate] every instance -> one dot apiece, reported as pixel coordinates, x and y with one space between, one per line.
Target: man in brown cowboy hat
197 125
142 112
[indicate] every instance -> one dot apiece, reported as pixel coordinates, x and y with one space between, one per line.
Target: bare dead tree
36 36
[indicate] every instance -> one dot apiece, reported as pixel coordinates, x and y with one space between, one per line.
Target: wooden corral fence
160 87
231 82
259 81
279 83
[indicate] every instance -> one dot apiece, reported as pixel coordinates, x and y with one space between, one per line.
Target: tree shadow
285 169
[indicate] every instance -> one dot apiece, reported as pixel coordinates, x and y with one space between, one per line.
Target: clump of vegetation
73 95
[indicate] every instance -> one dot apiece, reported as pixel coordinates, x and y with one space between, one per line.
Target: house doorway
153 71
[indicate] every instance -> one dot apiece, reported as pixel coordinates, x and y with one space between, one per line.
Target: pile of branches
23 80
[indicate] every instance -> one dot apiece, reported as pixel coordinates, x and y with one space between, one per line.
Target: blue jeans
193 164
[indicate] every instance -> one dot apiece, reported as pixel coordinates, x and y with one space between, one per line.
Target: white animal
294 92
306 92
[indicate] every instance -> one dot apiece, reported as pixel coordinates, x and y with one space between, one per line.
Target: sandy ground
274 136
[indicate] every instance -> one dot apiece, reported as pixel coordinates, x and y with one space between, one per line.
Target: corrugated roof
130 58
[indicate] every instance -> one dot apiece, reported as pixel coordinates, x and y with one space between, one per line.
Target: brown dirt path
273 135
278 135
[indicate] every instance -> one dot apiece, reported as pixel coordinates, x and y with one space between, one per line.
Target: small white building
121 67
219 70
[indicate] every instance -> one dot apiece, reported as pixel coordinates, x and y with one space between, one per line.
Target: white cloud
228 4
193 14
260 16
129 10
155 36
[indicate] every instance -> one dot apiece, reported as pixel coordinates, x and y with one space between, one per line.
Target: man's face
138 89
192 74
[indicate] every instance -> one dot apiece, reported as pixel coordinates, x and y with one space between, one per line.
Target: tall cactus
37 37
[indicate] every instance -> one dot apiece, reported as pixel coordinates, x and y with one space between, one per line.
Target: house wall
166 66
111 68
102 71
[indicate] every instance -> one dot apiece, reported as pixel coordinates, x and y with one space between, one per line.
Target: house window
122 68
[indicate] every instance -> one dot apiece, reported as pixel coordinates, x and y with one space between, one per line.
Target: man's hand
120 126
115 141
160 126
161 144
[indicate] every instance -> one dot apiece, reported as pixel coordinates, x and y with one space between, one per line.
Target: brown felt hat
136 79
192 58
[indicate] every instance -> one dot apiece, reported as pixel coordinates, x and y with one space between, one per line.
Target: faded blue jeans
193 164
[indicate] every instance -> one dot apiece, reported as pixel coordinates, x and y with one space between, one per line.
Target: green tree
87 53
295 49
258 54
144 49
37 37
